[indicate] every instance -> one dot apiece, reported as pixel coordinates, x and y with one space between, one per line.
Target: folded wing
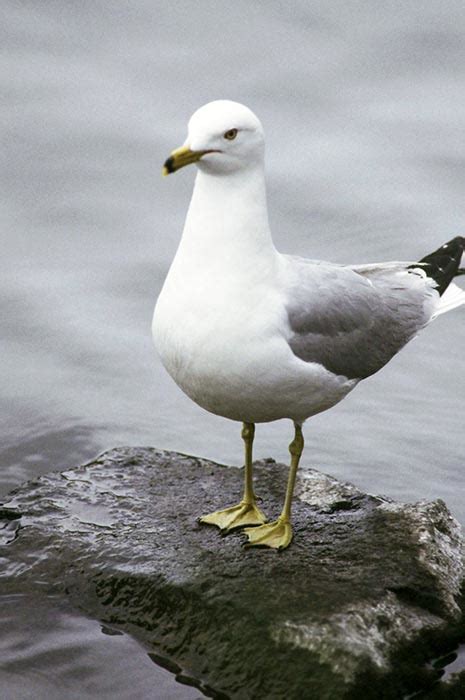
354 320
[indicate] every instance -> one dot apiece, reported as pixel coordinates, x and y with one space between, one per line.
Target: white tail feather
452 297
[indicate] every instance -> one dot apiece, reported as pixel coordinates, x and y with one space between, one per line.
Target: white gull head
223 137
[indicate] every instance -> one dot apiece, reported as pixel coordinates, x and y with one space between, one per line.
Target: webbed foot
277 534
235 516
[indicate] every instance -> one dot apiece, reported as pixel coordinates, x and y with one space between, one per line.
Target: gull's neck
227 219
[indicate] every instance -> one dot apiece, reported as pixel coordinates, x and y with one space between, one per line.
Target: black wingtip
443 264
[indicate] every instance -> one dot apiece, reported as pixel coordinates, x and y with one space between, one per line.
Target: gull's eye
230 134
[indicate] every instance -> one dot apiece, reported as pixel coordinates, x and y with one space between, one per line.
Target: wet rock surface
364 600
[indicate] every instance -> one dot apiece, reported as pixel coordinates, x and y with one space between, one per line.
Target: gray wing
354 320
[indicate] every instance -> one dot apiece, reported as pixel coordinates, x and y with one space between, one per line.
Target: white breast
207 329
223 341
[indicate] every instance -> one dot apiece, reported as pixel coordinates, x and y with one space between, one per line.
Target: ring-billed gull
254 335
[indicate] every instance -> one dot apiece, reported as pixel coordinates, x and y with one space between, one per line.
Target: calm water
60 656
364 109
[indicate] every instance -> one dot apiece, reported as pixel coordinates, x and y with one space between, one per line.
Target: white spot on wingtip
418 271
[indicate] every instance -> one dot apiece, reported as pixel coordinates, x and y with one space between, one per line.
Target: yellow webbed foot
277 535
236 516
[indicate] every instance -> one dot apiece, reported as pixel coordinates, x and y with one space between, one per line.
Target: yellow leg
246 512
278 534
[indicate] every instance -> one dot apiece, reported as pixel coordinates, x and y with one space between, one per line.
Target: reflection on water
364 111
57 654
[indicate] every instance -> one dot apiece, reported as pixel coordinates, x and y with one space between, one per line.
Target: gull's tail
442 266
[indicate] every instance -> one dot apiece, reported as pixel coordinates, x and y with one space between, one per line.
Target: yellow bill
181 157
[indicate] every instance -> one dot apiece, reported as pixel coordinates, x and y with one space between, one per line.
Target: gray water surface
59 655
364 109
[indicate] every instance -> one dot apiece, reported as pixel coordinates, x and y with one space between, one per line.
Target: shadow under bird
256 336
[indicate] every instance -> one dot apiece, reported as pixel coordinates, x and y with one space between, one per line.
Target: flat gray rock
365 597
